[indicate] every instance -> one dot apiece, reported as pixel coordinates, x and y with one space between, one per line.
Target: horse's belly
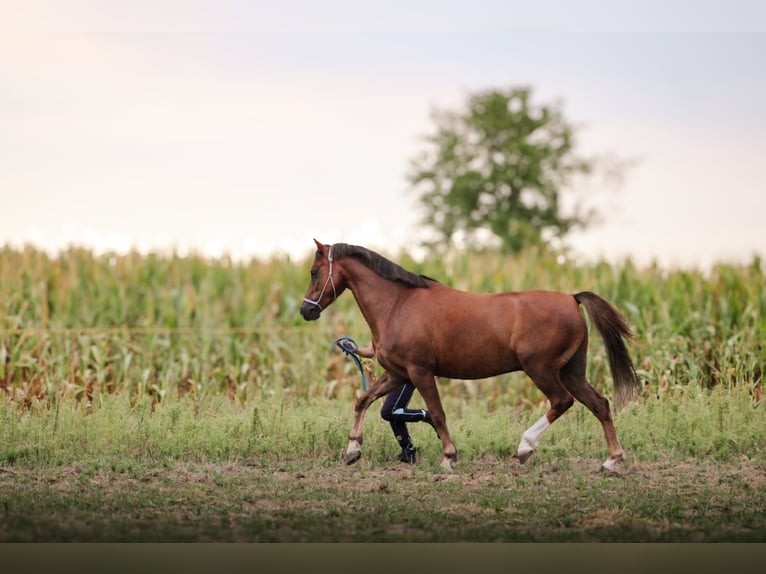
476 366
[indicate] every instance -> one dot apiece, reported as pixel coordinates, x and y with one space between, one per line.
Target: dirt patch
486 500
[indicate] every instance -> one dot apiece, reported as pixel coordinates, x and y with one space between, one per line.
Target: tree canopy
494 172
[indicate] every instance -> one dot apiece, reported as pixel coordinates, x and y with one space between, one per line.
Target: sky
249 128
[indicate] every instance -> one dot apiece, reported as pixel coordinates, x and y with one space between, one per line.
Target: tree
495 172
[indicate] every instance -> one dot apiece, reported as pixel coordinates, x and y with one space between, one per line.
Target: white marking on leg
611 463
531 437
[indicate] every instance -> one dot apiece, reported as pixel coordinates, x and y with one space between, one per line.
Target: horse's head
323 288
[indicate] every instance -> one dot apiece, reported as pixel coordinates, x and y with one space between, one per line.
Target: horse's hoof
613 465
523 456
352 457
353 452
448 464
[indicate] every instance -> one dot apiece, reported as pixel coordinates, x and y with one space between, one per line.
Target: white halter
328 280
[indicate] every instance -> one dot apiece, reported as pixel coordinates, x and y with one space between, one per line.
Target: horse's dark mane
380 265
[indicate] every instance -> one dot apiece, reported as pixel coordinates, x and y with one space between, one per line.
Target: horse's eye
314 272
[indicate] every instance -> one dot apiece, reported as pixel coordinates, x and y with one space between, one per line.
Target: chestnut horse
422 329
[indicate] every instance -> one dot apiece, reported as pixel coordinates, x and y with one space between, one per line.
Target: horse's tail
614 330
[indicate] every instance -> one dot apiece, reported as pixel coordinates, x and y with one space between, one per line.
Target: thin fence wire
159 330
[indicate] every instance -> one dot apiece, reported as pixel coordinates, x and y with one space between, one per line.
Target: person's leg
395 411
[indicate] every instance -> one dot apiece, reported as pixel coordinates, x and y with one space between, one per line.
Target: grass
272 472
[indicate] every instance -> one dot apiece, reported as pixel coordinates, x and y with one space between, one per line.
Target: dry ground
488 500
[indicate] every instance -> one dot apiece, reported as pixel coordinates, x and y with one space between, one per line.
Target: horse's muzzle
310 312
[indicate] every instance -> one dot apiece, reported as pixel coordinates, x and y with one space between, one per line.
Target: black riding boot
405 442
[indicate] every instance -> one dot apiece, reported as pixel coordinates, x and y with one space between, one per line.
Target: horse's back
517 307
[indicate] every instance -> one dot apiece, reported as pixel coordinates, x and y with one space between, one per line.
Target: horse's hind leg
560 400
573 378
379 387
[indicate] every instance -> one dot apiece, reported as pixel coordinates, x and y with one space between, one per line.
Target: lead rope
349 347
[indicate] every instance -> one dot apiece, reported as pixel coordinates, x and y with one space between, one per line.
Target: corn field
79 326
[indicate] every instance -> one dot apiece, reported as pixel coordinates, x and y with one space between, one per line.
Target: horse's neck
374 295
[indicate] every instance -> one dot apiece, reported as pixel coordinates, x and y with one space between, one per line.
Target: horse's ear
319 245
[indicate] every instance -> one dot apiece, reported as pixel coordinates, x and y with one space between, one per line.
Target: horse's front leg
425 382
379 387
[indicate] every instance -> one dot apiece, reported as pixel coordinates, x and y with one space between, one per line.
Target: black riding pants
395 411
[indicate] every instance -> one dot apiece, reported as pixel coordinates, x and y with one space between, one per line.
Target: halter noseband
328 280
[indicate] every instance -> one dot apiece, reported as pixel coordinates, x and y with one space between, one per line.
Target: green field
167 398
